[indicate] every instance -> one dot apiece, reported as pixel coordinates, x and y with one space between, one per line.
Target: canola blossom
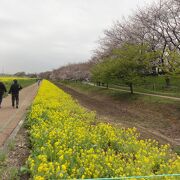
68 142
10 78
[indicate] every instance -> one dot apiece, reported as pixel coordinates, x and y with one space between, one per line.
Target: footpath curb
12 136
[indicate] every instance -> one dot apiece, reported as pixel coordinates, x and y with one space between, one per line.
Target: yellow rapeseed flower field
24 81
68 142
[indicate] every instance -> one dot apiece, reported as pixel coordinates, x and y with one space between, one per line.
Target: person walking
2 91
39 82
14 91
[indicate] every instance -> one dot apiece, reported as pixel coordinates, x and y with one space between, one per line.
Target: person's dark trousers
1 97
15 98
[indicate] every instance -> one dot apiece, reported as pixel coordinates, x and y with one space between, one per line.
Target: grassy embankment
154 85
119 95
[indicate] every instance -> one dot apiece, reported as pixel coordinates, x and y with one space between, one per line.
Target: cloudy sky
40 35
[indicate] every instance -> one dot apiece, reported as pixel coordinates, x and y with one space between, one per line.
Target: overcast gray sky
40 35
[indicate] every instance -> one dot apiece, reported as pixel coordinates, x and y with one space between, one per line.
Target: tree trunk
131 88
107 86
167 79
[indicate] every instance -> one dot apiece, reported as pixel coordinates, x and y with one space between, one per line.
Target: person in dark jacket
2 91
14 91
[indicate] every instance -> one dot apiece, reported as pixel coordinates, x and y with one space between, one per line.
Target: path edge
14 133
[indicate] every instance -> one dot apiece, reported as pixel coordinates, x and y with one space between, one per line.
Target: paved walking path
9 117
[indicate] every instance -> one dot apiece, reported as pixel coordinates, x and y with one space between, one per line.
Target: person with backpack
14 91
2 91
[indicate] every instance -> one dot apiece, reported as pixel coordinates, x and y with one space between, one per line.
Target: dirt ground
160 122
18 152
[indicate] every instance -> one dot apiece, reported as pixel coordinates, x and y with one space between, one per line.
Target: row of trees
130 63
24 74
157 25
21 74
78 71
147 42
127 63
